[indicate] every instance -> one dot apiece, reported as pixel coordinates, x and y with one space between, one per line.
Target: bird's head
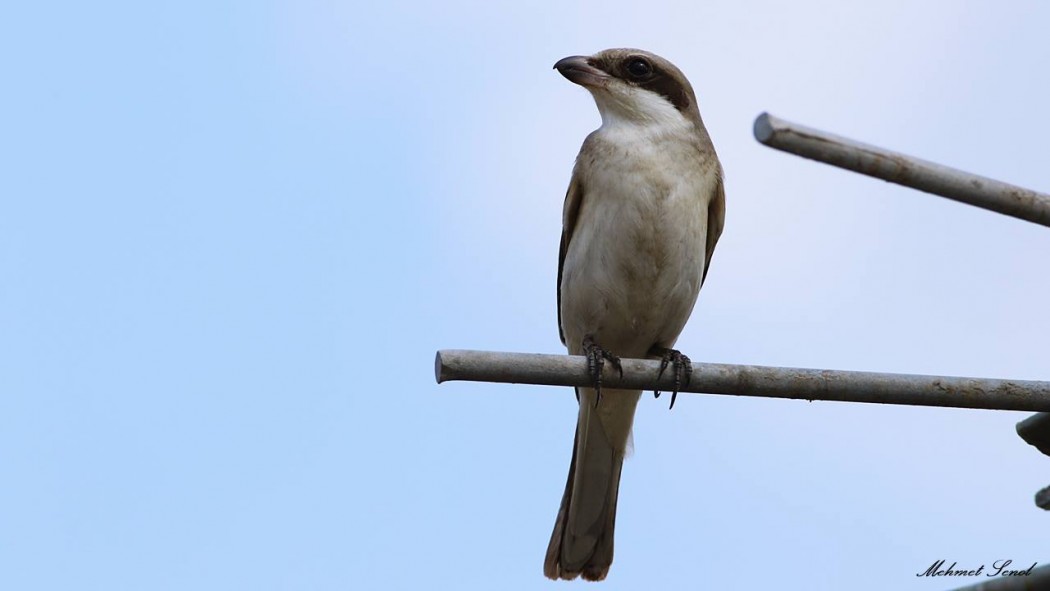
633 86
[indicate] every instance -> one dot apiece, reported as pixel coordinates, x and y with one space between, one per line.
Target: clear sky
233 235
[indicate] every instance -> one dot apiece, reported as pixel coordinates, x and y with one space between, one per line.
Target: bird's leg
596 357
680 364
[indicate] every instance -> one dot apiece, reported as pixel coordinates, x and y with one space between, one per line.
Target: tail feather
582 540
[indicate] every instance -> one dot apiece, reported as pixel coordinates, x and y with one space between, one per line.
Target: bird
642 215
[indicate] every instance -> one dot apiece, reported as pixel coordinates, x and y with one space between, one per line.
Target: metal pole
903 169
749 380
1039 580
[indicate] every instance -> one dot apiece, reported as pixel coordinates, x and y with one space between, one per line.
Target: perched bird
643 212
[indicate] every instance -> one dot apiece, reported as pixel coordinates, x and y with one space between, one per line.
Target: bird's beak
578 69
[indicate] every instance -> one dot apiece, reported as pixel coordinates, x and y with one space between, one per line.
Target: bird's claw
596 358
680 364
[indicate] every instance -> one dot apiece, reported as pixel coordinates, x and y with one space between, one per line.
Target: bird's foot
680 365
596 358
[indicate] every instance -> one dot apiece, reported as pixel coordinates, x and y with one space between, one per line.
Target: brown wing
571 210
716 220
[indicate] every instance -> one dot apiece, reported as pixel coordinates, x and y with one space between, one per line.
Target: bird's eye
639 68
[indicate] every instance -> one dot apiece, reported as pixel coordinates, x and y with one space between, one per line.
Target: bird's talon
680 364
596 358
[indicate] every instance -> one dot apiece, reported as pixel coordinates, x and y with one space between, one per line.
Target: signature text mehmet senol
1000 568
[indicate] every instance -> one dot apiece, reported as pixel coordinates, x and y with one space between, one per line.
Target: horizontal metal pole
902 169
749 380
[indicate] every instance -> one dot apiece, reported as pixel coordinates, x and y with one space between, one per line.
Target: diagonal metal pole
925 176
1037 580
750 380
902 169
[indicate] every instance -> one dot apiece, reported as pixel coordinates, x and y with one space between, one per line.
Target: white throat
638 108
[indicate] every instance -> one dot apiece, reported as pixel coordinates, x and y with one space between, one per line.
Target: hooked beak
578 69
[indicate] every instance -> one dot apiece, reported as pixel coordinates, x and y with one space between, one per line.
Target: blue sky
233 235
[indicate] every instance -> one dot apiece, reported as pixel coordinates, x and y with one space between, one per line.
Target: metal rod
1037 580
903 169
749 380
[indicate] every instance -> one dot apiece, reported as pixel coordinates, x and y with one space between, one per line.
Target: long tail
582 541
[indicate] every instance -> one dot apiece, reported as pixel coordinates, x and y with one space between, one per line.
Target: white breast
635 260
